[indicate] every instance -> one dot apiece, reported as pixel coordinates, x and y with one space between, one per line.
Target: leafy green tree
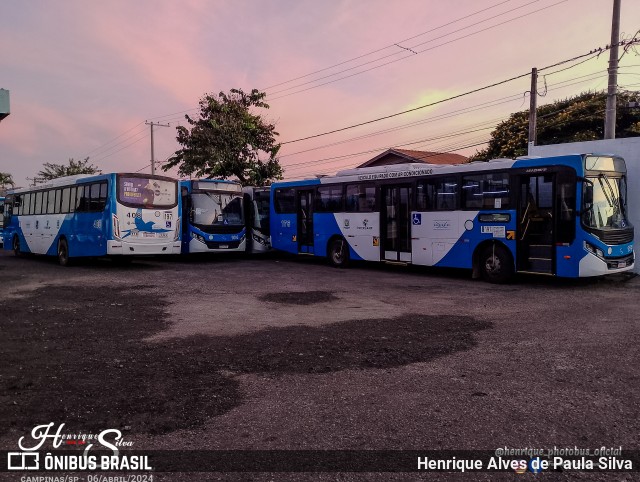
54 171
228 140
6 180
579 118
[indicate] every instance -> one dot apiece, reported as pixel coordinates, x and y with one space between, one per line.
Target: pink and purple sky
84 76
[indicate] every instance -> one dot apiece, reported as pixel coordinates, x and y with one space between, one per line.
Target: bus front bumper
591 265
142 249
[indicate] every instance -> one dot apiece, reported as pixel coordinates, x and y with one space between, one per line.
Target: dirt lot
282 353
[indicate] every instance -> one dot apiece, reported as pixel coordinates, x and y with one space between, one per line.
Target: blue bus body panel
449 238
461 253
91 233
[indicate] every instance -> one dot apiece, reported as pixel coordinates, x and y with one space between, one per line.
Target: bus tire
339 253
16 246
63 252
496 264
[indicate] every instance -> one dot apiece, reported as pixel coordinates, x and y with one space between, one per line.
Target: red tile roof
427 157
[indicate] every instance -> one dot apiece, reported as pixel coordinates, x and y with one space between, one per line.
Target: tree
54 171
5 181
580 118
227 140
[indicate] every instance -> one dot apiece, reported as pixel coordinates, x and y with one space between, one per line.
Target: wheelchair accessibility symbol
417 219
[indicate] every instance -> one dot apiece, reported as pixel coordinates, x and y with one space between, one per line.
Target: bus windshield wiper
604 191
614 198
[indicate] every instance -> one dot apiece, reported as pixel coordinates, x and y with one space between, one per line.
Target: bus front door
305 221
396 222
536 228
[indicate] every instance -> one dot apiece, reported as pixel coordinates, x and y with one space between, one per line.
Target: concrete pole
610 112
533 107
153 159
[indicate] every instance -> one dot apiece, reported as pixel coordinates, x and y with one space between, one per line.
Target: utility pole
153 159
610 112
533 107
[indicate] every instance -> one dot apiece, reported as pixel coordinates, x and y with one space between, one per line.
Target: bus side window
26 204
37 207
447 194
82 199
329 199
51 201
73 199
64 207
58 195
425 194
103 195
284 201
94 201
360 198
17 205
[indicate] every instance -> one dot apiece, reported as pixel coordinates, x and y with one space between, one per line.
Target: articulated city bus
564 216
120 215
213 216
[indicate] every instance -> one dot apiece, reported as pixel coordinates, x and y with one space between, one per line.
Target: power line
364 55
420 51
473 91
384 48
122 148
493 122
110 141
477 128
454 113
414 46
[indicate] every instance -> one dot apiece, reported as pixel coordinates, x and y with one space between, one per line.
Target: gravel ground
282 353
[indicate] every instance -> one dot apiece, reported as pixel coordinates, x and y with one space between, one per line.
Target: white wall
628 148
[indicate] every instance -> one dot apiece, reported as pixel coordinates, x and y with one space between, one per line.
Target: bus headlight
593 250
197 237
259 240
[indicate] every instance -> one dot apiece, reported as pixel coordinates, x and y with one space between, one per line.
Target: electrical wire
384 48
413 47
447 99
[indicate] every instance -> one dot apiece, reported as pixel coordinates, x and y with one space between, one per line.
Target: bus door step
524 271
395 263
541 265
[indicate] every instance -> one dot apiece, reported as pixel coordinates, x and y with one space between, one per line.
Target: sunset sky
84 76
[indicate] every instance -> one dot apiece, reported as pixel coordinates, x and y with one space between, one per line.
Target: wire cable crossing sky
83 76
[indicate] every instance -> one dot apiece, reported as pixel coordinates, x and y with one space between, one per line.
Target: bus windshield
217 208
261 200
605 202
146 192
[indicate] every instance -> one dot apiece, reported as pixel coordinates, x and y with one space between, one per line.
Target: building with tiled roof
403 156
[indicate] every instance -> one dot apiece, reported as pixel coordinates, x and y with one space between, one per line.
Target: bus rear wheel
16 246
496 264
63 253
339 253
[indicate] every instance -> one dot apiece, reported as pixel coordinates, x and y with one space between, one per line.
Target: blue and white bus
213 216
118 215
563 216
257 201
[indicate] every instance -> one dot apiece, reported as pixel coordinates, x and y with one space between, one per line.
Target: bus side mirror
588 194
